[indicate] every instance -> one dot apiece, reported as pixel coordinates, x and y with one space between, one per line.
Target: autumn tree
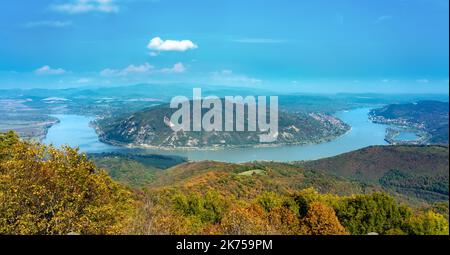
245 220
44 190
427 223
321 220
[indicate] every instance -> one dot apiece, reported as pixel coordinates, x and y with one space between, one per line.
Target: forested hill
417 171
44 190
429 116
148 128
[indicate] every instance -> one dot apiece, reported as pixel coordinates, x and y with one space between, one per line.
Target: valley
87 118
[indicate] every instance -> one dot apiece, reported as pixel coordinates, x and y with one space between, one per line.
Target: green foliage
48 191
427 187
126 171
441 208
269 201
207 208
44 190
427 223
6 141
419 173
377 212
305 197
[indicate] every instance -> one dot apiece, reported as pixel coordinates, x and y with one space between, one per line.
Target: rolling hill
413 174
147 128
65 192
420 172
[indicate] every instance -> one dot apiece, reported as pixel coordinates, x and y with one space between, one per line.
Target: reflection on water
75 131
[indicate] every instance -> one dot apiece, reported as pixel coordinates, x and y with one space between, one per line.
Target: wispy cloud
229 77
158 44
131 69
47 70
48 23
177 68
382 19
144 69
84 6
258 40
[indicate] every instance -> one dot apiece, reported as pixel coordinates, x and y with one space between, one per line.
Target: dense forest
44 190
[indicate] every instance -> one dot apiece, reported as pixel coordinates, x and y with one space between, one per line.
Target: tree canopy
44 190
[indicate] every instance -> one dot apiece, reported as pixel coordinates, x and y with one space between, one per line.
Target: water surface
405 136
75 131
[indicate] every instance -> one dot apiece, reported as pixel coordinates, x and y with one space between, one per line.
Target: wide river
75 131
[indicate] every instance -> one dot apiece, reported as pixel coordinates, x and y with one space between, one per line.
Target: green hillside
414 171
44 190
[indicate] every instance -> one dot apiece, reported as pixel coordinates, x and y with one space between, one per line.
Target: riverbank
77 131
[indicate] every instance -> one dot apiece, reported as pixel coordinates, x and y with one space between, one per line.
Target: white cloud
158 44
138 69
84 6
48 23
47 70
131 69
177 68
423 81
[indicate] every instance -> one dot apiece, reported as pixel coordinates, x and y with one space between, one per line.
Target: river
75 131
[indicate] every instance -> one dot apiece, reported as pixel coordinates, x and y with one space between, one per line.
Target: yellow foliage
44 190
245 221
321 220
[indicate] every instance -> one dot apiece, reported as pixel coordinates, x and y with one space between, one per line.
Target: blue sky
305 46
